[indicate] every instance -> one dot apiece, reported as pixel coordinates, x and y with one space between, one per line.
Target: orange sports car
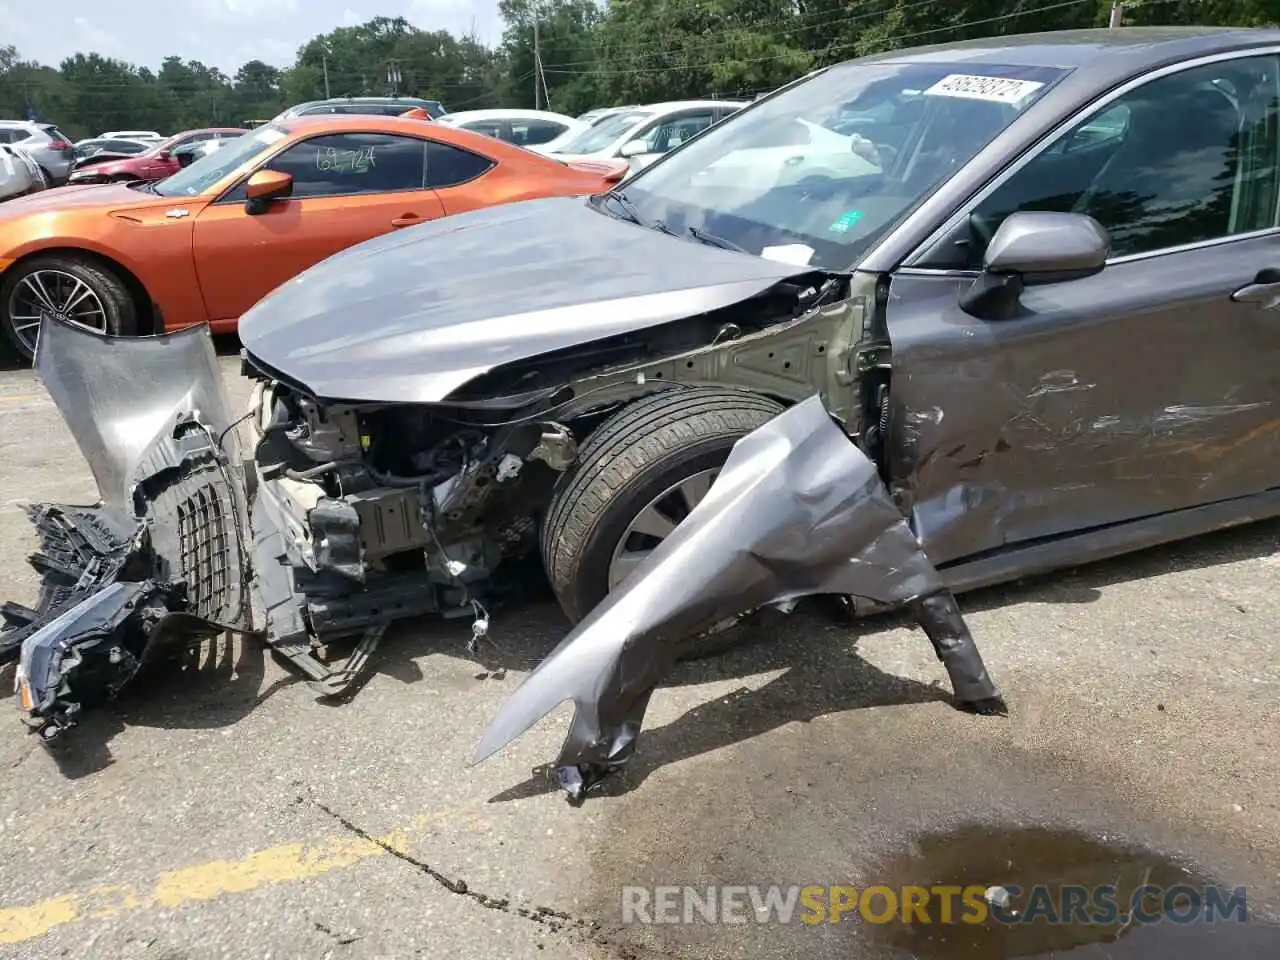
208 242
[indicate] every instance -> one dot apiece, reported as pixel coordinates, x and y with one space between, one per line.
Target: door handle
406 221
1264 291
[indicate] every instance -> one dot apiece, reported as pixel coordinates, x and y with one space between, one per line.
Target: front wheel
70 288
638 475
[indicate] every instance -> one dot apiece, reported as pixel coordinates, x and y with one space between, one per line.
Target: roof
499 113
362 99
686 104
410 126
1139 47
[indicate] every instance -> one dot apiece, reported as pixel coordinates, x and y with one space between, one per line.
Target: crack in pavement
342 939
556 921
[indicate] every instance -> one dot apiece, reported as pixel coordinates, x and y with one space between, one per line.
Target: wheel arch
148 313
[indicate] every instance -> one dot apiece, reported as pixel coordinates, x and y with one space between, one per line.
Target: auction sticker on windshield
994 89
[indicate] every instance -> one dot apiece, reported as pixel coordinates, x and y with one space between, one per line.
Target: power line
1062 4
794 25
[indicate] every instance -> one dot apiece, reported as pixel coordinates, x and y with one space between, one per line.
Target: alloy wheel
656 521
57 294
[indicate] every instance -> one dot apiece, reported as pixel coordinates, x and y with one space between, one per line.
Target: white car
524 128
798 150
19 174
643 134
129 135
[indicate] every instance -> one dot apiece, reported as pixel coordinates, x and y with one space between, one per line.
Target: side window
449 166
490 128
9 136
673 131
1189 157
352 163
527 133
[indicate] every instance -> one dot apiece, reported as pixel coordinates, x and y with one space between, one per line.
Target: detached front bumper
161 558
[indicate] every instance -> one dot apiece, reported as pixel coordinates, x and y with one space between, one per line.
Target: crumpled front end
797 510
161 557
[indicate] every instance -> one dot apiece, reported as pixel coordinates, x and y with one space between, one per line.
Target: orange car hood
105 196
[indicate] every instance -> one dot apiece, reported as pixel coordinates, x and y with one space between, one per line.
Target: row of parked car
256 207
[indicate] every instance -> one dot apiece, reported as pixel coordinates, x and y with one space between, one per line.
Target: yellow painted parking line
208 881
20 398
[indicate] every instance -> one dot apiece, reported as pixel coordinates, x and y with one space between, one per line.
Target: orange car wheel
72 288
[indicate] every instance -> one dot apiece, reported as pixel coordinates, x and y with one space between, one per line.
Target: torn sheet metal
120 396
797 510
161 557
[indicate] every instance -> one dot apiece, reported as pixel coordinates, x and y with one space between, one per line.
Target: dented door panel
1139 391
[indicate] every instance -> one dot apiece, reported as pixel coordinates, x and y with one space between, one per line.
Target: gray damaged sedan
912 325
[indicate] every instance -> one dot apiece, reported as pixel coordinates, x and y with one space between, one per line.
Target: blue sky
220 33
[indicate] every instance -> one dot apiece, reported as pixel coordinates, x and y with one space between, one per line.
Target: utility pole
393 77
1117 13
324 62
537 62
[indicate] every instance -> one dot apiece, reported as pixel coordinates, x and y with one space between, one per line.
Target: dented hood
411 316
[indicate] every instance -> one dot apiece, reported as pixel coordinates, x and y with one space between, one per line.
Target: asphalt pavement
219 810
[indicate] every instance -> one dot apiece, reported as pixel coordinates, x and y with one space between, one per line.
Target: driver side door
347 188
1146 389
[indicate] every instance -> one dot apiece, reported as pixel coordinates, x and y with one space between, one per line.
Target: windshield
604 133
826 168
212 168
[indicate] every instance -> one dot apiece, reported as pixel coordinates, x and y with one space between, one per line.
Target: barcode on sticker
996 89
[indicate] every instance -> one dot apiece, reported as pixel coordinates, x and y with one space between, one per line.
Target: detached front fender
797 510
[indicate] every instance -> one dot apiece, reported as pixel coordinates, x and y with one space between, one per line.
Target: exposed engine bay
366 514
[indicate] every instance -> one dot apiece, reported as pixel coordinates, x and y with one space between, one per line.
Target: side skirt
1102 543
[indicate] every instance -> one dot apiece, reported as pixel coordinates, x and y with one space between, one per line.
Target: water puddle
992 894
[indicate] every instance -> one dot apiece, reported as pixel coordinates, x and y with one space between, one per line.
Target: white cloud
249 9
90 37
456 16
277 53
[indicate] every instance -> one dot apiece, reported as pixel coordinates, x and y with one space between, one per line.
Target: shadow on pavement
812 687
208 687
219 684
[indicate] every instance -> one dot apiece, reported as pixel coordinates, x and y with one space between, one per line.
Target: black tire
629 460
117 302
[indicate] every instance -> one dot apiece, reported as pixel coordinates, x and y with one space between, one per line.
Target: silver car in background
44 143
19 174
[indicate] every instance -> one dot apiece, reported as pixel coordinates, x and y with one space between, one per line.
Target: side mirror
263 186
1031 249
634 148
164 155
